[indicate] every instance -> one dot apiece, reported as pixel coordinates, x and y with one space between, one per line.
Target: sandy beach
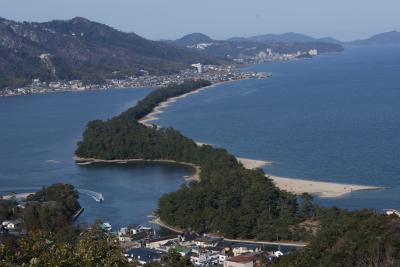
299 186
296 186
317 188
253 163
159 109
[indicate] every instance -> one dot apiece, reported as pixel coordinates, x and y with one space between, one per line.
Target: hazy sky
165 19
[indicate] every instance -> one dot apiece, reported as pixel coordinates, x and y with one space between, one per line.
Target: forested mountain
193 38
387 38
392 37
289 37
250 47
82 49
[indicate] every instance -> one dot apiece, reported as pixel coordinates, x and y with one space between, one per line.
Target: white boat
392 212
106 226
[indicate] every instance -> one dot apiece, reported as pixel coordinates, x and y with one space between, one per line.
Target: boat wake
52 161
98 197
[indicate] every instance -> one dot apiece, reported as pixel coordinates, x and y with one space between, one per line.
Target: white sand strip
317 188
297 186
158 109
20 196
253 163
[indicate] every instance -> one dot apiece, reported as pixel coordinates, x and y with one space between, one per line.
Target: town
212 73
144 245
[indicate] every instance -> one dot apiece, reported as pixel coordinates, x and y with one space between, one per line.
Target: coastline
176 230
159 109
312 187
319 188
193 177
293 185
19 196
97 88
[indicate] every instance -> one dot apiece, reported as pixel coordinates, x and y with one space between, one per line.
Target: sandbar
293 185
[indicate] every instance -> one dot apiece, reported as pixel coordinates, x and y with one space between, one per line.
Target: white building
278 253
239 261
313 52
199 67
12 225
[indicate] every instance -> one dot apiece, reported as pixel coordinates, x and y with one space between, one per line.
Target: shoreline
299 186
292 185
177 230
159 108
18 196
319 188
193 177
78 90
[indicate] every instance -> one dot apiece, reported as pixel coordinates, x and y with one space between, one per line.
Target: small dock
77 214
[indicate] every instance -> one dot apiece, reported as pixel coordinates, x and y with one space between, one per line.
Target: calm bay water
38 137
333 118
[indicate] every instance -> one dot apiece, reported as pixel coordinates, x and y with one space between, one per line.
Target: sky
220 19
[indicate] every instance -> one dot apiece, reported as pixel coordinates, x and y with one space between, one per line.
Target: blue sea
38 137
332 118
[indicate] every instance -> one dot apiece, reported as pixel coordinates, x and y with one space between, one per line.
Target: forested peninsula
235 202
228 199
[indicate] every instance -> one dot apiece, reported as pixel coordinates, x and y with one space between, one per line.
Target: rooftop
163 238
241 259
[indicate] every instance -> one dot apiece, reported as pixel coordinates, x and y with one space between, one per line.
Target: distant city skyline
160 19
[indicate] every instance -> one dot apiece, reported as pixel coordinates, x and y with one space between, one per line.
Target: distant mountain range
387 38
84 50
193 38
283 43
289 37
89 51
250 47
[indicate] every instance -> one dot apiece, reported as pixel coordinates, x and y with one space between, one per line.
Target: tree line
236 202
49 237
228 199
350 239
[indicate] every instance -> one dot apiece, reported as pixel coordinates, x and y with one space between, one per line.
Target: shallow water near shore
37 140
333 118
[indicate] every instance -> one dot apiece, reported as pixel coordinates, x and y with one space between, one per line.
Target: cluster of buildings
213 73
140 244
11 226
269 55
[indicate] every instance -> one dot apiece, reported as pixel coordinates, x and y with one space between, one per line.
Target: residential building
158 242
144 255
240 261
